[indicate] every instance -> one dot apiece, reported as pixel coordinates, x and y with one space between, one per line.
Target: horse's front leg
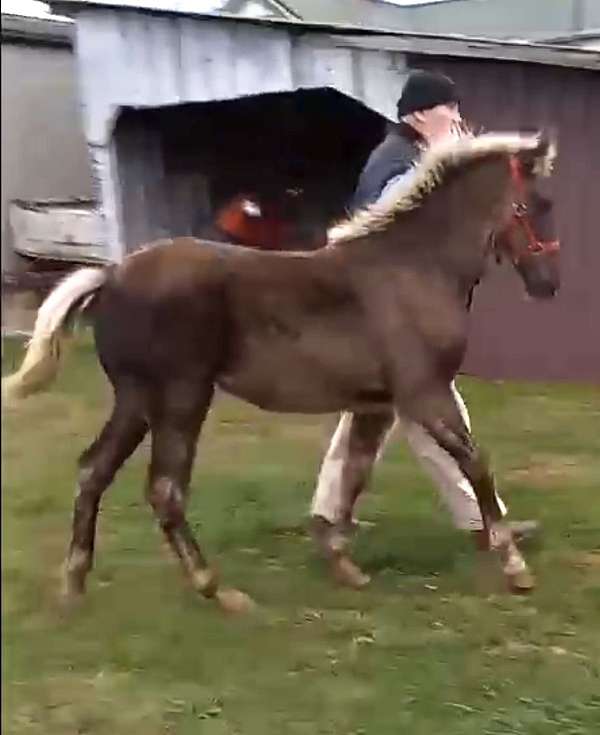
436 410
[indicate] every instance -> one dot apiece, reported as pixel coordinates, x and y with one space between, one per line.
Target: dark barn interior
178 165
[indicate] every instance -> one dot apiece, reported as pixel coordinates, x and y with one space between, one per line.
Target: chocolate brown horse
376 318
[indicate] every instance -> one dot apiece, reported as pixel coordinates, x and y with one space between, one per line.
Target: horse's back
162 311
188 308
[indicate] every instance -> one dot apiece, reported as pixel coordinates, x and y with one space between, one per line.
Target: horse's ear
545 152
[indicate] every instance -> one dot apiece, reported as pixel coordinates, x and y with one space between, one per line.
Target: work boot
332 541
328 537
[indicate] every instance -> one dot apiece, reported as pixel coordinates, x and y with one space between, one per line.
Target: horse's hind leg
97 467
177 418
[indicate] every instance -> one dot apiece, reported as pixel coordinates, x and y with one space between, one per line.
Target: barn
181 110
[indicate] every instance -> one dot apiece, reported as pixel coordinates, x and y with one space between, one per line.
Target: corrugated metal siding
130 59
511 337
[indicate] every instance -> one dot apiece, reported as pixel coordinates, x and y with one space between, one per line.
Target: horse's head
530 239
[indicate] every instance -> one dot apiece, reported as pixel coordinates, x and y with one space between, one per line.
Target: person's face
439 122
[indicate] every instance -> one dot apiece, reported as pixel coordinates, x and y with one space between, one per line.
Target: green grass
422 650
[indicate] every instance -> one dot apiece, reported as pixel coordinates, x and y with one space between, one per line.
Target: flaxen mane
430 172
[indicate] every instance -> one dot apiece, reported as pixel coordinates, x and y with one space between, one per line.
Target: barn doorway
177 165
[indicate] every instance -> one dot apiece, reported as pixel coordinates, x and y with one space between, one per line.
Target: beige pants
345 463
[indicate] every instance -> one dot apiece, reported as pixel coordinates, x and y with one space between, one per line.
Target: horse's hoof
72 586
521 582
348 574
70 596
235 601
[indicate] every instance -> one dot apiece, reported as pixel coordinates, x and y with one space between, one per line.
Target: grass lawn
423 650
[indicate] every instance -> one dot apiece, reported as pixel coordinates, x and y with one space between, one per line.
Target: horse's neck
451 228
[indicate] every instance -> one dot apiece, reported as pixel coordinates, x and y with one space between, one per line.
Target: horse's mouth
540 293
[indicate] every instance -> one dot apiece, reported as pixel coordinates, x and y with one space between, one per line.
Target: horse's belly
280 378
288 398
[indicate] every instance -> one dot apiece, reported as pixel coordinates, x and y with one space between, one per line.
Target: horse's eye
519 209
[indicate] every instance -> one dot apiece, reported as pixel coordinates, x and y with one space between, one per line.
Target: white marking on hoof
521 582
205 581
235 601
71 591
349 574
74 573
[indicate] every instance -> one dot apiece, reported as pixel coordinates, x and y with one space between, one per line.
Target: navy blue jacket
392 157
396 153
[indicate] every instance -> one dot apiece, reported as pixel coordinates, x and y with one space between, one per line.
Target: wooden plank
383 76
207 68
149 53
143 189
109 188
373 78
103 78
188 196
131 172
333 68
262 60
318 63
66 231
223 61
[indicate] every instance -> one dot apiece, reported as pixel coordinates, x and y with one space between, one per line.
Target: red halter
521 220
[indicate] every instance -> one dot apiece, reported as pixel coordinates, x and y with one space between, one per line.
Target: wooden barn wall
44 152
513 337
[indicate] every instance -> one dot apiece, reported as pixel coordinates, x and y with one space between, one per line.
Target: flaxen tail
42 358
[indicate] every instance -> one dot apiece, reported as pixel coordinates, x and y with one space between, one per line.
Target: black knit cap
424 90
